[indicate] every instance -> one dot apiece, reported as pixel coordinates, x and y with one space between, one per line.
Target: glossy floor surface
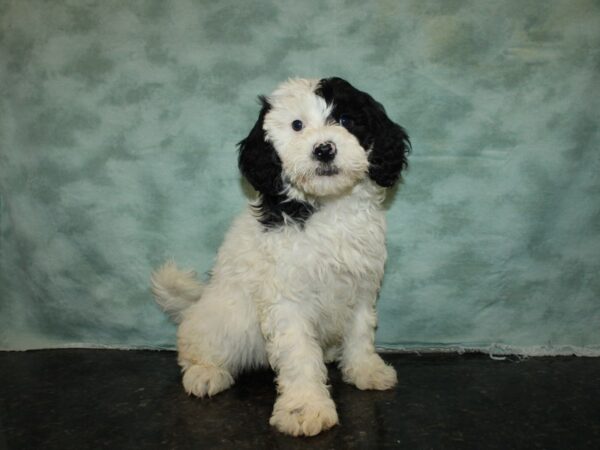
93 399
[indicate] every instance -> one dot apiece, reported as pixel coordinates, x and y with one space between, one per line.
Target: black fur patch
260 164
366 119
276 210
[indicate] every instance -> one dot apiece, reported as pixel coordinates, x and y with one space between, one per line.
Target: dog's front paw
372 373
303 415
203 380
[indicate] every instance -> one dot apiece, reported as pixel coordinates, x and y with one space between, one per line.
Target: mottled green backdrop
118 124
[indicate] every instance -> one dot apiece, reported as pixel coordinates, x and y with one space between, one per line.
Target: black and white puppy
296 279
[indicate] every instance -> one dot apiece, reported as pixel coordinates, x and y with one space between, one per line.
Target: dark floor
80 399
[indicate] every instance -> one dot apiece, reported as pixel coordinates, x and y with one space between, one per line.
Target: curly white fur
292 297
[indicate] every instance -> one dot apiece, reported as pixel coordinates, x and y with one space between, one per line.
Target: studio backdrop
118 129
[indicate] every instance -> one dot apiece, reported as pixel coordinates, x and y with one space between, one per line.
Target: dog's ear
258 161
390 146
387 142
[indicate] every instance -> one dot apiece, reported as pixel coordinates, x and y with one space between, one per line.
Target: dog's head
319 138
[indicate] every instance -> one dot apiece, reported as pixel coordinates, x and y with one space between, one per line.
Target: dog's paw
202 381
372 373
303 415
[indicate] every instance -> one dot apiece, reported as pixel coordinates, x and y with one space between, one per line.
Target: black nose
324 152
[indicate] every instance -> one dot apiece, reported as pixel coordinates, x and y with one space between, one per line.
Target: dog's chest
336 261
351 239
340 245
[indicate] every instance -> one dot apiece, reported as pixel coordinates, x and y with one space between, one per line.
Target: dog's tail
175 290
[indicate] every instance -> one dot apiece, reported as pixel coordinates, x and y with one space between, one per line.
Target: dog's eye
346 121
297 125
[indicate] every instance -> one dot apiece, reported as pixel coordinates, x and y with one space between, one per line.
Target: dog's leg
218 338
304 406
360 364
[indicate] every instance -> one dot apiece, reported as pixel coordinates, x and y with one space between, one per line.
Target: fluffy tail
175 290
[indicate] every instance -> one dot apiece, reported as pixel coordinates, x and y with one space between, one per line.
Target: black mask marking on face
366 119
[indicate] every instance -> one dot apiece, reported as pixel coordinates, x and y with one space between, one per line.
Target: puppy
296 279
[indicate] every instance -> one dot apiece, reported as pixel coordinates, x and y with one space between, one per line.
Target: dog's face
318 155
317 138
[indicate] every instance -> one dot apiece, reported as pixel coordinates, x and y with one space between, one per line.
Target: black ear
388 142
389 149
258 161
